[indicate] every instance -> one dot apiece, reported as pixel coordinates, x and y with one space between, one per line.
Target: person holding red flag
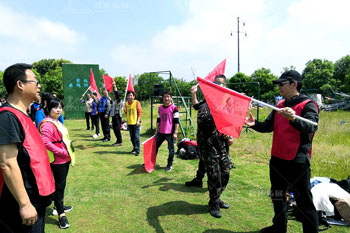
212 151
290 153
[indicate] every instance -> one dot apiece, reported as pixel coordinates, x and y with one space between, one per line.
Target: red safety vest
39 159
286 139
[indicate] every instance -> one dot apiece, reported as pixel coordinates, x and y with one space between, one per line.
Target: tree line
321 76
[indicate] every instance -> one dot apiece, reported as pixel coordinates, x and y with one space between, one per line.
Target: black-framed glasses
31 81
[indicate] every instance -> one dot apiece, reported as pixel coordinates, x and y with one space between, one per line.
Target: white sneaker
95 136
98 135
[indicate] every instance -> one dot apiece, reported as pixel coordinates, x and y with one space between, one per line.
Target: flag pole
86 90
278 110
271 106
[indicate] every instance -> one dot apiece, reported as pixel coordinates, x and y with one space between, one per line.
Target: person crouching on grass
56 140
167 126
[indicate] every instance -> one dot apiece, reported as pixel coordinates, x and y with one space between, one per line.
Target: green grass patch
111 192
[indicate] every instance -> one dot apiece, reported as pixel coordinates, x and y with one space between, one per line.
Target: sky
187 37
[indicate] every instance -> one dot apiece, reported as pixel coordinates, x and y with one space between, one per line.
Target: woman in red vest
53 134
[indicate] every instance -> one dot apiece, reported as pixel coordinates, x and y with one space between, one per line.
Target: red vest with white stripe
286 139
39 159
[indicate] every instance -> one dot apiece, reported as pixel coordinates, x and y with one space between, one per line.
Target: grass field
111 192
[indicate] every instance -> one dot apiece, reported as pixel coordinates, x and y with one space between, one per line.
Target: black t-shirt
11 131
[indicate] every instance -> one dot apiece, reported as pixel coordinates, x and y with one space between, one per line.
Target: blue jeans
135 137
160 137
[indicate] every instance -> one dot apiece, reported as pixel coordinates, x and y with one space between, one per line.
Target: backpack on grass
186 149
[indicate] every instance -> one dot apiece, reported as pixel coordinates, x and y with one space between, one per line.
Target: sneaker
195 183
133 151
117 144
95 136
215 211
137 153
63 222
66 209
223 205
168 168
106 140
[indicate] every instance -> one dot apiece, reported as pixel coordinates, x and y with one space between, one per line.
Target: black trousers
11 222
295 177
116 123
105 126
60 172
87 118
95 122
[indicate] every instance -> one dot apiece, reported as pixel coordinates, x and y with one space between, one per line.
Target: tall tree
233 82
319 74
267 89
144 84
342 74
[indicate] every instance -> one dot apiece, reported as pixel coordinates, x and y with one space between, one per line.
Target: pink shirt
49 134
167 117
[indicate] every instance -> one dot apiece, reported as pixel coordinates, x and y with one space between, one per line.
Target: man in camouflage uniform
212 151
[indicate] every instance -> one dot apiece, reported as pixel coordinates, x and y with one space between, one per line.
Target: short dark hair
220 76
53 103
14 73
128 92
45 96
94 93
167 93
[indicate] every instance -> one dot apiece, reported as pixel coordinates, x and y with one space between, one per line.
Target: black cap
290 75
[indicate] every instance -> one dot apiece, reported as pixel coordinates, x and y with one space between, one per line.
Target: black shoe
168 168
137 153
215 211
103 138
223 205
271 229
133 151
63 222
66 209
106 140
194 183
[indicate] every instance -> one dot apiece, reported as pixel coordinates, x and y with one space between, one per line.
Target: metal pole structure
238 41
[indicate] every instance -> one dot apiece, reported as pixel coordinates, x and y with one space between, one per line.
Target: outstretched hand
250 121
194 89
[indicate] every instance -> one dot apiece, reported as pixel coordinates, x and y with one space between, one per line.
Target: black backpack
186 149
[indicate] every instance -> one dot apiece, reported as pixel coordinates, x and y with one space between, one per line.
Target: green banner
76 79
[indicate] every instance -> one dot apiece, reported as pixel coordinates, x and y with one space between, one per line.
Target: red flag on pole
219 69
93 86
150 154
108 82
130 85
228 108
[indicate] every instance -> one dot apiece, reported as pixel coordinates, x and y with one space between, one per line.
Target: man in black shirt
291 153
24 166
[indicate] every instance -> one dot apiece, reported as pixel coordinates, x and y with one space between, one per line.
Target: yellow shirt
131 113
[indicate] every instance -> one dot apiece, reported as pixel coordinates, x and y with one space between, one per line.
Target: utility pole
238 65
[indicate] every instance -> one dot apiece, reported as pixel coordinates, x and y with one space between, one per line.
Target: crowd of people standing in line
27 187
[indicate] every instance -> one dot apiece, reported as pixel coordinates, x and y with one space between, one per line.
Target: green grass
111 192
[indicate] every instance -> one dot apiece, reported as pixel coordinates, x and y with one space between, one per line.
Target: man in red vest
26 181
291 152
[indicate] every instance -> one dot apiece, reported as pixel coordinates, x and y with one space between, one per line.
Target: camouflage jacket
208 137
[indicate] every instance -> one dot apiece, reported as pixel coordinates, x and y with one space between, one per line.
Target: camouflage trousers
218 168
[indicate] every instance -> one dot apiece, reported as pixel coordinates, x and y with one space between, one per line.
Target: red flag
130 85
149 154
108 82
228 108
219 69
93 87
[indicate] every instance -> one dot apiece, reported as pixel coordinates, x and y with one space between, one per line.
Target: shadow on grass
172 208
114 152
49 218
227 231
138 169
165 185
